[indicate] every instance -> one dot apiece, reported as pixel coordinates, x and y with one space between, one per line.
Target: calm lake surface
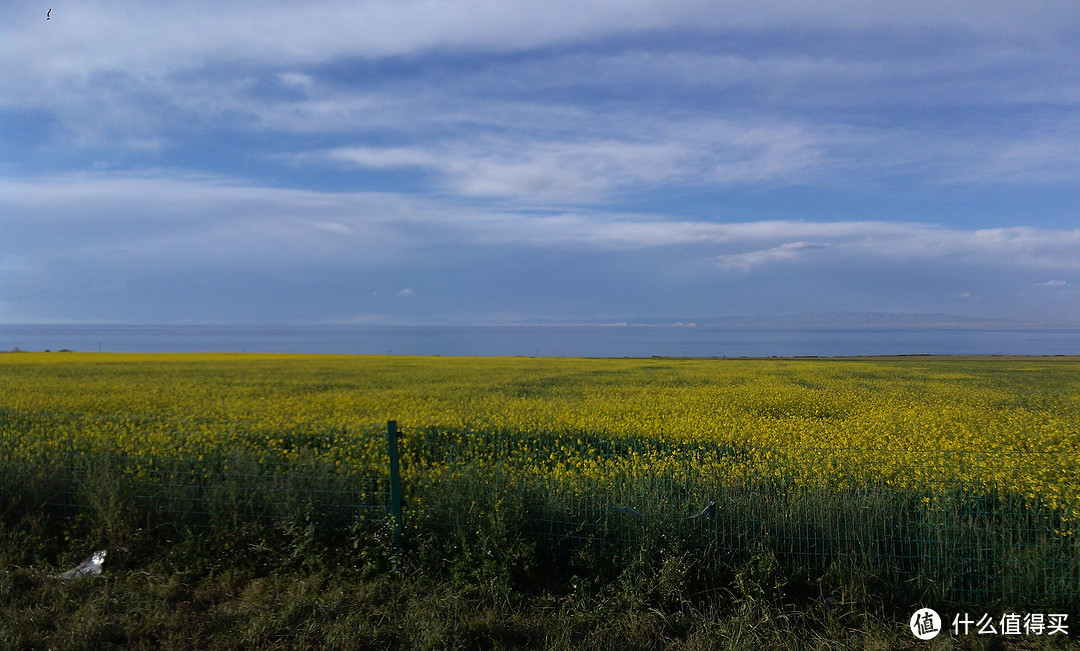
547 341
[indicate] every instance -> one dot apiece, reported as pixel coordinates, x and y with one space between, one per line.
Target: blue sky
497 162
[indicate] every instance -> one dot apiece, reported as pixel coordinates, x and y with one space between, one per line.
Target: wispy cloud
324 30
706 112
554 167
786 252
636 156
214 218
73 240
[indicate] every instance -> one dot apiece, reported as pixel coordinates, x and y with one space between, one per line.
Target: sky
467 161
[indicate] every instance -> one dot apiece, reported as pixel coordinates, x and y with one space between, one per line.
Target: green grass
295 585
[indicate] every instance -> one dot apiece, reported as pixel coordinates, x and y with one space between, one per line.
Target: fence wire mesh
978 526
196 473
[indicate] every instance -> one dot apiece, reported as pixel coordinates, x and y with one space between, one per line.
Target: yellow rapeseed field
1010 424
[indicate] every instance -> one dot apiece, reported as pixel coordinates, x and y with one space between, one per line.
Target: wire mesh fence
194 473
976 526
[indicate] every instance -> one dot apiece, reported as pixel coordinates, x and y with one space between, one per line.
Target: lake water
547 341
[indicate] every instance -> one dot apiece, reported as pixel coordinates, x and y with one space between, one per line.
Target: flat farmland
569 503
897 412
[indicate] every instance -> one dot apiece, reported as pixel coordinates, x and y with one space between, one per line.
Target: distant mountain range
805 320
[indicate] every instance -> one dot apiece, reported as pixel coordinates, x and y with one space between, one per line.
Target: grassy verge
498 566
298 584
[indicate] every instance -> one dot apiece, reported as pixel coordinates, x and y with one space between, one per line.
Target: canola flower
617 427
961 472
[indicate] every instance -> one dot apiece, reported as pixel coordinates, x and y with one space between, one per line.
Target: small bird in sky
48 15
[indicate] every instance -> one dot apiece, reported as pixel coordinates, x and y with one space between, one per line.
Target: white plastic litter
708 512
91 566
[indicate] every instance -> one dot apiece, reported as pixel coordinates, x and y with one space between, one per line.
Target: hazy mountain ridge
838 319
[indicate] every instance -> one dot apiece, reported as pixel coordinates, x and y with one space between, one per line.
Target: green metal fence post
395 483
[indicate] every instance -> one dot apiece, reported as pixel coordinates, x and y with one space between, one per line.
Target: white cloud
216 217
67 235
297 80
786 252
382 158
94 41
562 168
145 78
93 35
735 107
